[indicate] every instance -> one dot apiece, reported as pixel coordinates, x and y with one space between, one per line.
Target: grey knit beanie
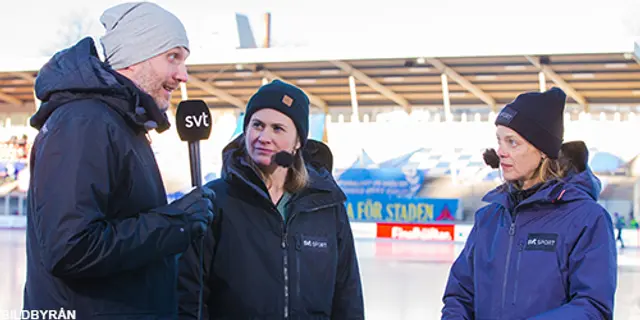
137 31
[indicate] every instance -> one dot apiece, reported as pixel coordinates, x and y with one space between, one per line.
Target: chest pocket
315 262
540 266
315 269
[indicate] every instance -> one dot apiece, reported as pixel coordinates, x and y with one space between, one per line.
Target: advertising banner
382 208
382 181
424 232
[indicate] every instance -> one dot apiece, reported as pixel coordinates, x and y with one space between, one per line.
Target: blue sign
400 210
382 181
239 128
316 126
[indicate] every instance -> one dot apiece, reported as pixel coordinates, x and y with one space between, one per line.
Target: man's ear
132 68
127 71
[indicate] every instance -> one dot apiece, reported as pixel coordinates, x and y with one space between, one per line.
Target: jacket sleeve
348 302
592 273
74 174
459 292
193 272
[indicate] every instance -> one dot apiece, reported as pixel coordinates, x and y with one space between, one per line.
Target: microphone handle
196 181
194 163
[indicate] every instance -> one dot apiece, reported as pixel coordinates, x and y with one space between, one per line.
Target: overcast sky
34 28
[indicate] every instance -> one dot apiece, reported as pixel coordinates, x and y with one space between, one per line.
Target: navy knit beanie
283 97
539 118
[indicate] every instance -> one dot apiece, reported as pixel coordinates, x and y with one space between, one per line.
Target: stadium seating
428 143
444 148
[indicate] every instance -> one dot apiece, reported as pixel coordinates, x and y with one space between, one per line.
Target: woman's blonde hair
297 175
550 169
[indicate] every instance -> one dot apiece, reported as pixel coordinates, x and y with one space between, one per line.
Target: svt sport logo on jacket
542 242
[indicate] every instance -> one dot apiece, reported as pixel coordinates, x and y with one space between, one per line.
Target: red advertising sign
415 251
426 232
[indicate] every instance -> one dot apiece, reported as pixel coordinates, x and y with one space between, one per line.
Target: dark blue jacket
92 245
620 223
556 260
256 266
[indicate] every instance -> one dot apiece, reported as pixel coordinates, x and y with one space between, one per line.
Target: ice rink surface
402 280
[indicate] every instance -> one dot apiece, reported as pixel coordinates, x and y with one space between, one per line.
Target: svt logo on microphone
198 121
193 120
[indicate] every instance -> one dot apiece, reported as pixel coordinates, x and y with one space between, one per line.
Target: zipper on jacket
286 269
515 290
512 232
285 227
298 253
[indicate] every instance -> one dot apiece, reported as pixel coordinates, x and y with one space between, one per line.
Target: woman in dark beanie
543 248
281 246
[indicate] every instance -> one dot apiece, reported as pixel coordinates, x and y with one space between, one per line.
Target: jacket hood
574 186
318 155
235 168
585 182
78 73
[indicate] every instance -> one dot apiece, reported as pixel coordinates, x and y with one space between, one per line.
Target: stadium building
411 124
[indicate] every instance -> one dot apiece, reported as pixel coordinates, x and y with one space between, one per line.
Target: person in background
620 224
543 248
22 147
633 223
281 245
101 239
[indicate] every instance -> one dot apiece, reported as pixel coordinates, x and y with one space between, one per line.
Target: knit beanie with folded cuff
539 118
286 98
137 31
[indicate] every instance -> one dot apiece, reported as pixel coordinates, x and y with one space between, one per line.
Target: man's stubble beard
147 82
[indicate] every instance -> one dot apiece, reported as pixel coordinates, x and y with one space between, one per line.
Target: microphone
193 120
491 158
283 159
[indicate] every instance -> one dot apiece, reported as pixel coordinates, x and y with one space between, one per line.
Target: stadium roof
591 72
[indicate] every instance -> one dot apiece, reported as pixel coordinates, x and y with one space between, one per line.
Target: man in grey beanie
102 239
147 44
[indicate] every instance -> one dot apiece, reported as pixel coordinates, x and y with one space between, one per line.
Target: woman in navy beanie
543 248
281 245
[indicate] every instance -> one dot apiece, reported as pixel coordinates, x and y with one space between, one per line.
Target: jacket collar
574 186
322 191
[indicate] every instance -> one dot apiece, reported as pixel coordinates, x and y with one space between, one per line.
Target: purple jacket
555 260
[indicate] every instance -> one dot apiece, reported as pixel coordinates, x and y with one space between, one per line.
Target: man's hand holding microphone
198 208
